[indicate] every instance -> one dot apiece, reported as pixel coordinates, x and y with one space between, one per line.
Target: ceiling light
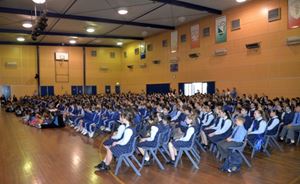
240 1
72 41
39 1
122 11
119 43
144 33
27 25
90 29
21 39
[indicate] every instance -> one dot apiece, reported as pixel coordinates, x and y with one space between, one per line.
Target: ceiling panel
58 6
107 41
109 9
216 4
169 14
73 26
134 31
65 39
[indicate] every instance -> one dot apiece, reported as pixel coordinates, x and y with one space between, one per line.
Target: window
193 88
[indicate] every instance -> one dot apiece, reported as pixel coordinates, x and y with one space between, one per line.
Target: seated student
235 140
248 120
252 110
257 128
223 129
287 116
52 121
150 141
289 130
273 123
120 146
206 122
184 140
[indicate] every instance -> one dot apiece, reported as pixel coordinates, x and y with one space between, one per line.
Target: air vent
194 55
156 62
220 52
144 65
253 45
274 14
206 32
11 64
130 66
293 40
174 59
93 53
103 68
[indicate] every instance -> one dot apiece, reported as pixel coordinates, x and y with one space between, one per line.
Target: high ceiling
69 18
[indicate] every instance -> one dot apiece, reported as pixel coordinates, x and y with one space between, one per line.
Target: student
183 141
257 128
248 120
223 129
287 116
289 130
206 122
236 138
273 123
120 146
150 141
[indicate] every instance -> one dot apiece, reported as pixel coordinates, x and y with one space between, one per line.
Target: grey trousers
289 132
224 145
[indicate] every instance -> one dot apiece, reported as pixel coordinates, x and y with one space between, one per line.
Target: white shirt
261 129
275 122
189 133
227 125
127 135
176 116
208 118
153 132
119 133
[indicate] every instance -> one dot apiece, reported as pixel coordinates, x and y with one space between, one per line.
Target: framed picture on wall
137 51
293 14
174 67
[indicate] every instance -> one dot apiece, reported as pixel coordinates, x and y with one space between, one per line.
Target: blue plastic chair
163 147
126 158
272 140
152 152
240 150
189 150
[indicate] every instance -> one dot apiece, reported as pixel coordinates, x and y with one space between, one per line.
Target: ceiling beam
190 6
55 44
16 31
83 18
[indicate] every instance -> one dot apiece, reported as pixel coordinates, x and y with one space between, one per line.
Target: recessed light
72 41
27 25
181 19
21 39
119 43
39 1
144 33
122 11
90 29
240 1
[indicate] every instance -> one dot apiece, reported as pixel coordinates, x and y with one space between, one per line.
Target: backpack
232 163
259 142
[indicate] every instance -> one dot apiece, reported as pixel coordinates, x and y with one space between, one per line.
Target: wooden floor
55 156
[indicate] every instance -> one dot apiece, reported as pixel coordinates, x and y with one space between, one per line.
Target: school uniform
287 117
207 120
123 145
289 131
118 136
273 125
248 122
216 122
152 140
184 141
238 135
257 130
223 130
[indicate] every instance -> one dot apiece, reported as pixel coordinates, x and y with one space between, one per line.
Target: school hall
150 91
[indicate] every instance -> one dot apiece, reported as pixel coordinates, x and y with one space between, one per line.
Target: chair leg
133 167
191 159
245 159
162 153
179 155
119 163
195 154
157 160
136 160
200 146
276 143
252 153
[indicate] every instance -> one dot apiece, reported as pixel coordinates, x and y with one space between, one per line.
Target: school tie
234 132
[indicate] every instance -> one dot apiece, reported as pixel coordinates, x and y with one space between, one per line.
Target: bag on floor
259 142
232 163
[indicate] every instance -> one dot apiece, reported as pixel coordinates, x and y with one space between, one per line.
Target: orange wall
20 78
274 70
